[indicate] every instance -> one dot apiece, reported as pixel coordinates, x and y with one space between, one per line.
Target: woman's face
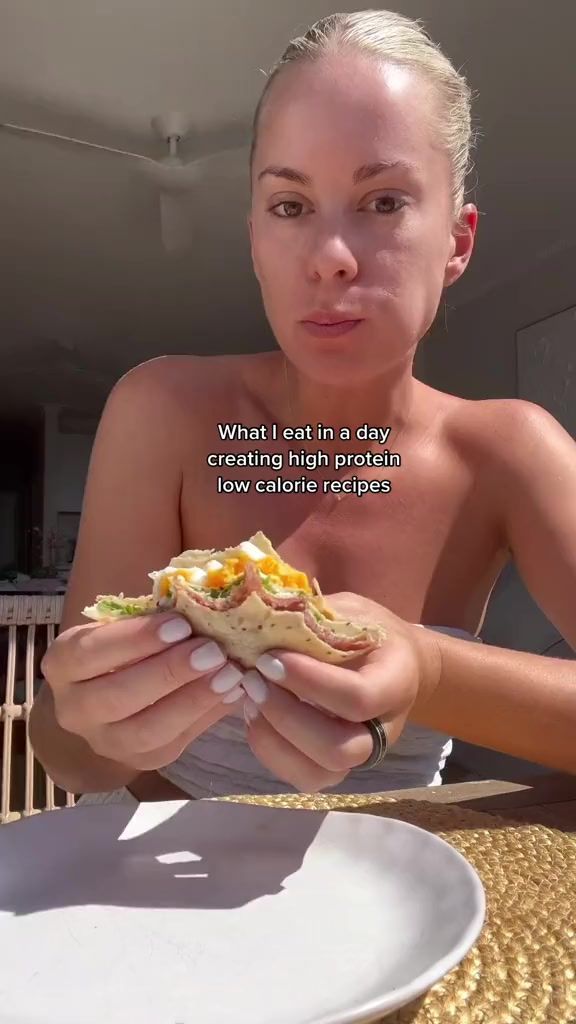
352 216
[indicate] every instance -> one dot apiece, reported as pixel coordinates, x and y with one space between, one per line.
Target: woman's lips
332 330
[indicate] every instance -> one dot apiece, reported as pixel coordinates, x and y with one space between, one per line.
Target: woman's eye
387 204
289 207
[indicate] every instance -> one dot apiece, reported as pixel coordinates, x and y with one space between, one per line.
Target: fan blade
225 163
9 126
50 355
175 227
173 175
170 174
63 371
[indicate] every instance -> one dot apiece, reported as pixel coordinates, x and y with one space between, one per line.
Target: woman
357 224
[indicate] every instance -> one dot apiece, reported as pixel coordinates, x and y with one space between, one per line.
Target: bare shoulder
188 382
164 379
502 433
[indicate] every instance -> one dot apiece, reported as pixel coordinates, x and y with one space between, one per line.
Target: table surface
541 800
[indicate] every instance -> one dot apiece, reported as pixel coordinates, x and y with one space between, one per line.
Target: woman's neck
384 401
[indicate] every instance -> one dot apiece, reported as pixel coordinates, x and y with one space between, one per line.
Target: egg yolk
282 574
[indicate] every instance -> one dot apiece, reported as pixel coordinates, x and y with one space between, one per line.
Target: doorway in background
21 461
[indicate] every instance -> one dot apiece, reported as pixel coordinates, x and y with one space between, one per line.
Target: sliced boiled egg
164 578
252 552
196 574
217 574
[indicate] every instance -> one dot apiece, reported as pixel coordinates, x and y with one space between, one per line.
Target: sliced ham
252 584
218 604
295 603
299 603
336 640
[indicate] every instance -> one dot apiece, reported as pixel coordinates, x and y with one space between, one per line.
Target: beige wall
475 355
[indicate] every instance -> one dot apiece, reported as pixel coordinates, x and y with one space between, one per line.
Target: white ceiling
81 256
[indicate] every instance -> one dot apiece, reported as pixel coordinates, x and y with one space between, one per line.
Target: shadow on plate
201 855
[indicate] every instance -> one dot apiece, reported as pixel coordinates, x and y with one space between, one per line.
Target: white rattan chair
28 623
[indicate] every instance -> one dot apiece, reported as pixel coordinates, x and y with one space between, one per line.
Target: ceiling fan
173 177
49 357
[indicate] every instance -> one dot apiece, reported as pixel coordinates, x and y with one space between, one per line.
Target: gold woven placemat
522 970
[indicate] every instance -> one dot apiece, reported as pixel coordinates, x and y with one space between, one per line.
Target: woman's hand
139 690
315 747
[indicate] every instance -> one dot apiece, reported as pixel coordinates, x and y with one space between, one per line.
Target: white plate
216 913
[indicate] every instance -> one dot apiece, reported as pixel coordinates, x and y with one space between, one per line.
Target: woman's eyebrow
288 173
363 173
368 171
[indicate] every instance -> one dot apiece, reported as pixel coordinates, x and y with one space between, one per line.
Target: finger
155 738
157 724
332 743
85 652
382 684
121 694
285 761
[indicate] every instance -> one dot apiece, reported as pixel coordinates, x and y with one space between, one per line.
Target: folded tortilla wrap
250 600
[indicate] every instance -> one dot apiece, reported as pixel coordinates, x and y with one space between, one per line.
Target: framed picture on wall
546 366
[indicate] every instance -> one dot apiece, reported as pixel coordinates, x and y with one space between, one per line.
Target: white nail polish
234 695
271 667
173 630
207 656
255 686
251 711
224 680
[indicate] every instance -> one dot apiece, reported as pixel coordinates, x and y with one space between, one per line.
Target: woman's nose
332 256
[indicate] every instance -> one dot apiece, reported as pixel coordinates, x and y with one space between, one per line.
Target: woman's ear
461 244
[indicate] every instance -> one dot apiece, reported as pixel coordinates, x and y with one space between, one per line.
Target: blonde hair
392 37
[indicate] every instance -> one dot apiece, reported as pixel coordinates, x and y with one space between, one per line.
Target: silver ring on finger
380 743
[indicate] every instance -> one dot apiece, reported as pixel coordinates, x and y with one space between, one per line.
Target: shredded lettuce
224 591
117 606
274 588
267 582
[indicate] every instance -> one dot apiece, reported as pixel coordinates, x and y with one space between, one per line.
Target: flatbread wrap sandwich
250 600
